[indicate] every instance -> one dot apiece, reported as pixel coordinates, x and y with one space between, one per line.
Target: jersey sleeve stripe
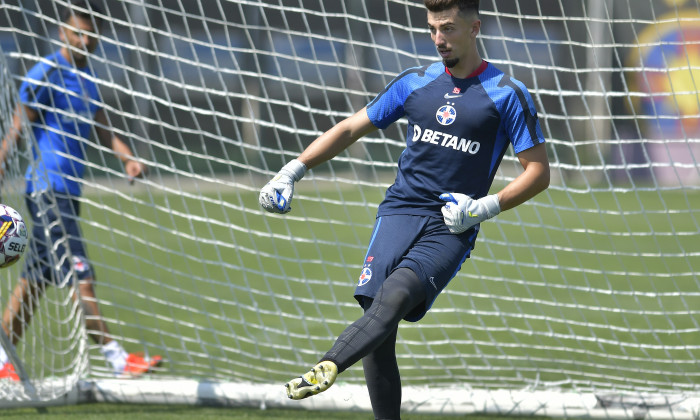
530 117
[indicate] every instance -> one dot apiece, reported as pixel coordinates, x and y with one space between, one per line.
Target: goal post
582 302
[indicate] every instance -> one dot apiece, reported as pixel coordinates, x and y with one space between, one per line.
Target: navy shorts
56 250
422 243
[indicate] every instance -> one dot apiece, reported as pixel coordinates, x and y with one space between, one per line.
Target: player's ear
476 28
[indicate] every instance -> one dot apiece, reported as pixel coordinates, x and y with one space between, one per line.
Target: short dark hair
465 6
85 9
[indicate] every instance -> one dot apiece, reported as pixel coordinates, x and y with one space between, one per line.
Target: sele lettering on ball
13 236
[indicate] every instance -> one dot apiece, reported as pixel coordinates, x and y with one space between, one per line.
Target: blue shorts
56 250
422 243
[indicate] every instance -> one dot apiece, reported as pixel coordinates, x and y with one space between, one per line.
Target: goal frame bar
454 400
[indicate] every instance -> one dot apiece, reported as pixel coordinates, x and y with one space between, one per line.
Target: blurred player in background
463 113
61 101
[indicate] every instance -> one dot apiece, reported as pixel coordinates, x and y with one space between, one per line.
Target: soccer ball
13 236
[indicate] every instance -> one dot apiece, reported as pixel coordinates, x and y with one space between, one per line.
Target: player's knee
27 288
403 289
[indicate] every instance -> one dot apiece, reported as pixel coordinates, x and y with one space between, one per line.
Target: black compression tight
373 339
383 380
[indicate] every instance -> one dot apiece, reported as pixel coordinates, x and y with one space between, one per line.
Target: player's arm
276 195
533 180
11 138
337 139
132 167
461 212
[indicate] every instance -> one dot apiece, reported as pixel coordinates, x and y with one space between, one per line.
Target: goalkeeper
462 113
61 102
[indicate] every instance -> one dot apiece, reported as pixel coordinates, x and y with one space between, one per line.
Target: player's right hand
276 196
134 169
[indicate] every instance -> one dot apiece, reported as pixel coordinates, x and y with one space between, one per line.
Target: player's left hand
462 212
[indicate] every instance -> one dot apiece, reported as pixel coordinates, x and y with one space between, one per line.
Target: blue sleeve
520 117
388 106
35 89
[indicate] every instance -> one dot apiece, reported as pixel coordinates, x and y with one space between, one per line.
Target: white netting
590 287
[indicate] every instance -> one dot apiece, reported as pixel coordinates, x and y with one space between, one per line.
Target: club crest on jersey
365 276
446 114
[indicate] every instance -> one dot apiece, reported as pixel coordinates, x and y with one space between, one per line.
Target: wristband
295 169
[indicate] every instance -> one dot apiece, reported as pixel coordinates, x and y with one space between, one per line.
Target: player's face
81 38
454 35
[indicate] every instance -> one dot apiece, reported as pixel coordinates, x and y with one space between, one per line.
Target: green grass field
611 277
166 412
596 289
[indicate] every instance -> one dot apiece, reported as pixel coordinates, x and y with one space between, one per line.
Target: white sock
4 358
115 354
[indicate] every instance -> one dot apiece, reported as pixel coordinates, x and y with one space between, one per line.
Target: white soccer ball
13 236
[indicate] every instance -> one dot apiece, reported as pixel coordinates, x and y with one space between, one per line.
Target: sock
4 358
115 354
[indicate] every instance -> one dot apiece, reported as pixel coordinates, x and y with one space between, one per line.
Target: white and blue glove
276 195
462 212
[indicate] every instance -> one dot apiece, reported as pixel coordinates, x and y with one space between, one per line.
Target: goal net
585 301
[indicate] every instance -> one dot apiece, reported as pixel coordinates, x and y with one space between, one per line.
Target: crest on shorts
80 264
365 276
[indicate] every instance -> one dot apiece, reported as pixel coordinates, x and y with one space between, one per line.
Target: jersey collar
476 72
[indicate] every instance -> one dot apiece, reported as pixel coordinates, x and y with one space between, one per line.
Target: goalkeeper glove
276 195
462 212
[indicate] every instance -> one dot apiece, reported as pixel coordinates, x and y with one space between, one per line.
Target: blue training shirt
66 99
458 132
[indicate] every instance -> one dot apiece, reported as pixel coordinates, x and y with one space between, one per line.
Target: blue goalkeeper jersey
66 99
458 132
